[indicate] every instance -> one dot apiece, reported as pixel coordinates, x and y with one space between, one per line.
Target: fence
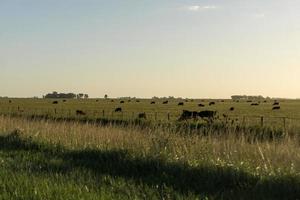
278 122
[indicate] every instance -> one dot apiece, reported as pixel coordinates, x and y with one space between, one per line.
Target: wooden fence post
262 121
168 116
284 124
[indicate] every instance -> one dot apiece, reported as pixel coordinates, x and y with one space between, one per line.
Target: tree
105 96
86 96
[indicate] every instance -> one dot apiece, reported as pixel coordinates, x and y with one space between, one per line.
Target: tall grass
155 162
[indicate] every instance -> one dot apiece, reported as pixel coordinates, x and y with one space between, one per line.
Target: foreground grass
63 160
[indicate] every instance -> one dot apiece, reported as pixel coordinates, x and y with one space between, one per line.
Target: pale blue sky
212 48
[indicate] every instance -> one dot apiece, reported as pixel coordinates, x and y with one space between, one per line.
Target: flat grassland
42 159
45 158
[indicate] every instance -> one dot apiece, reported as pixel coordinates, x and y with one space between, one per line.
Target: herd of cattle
206 114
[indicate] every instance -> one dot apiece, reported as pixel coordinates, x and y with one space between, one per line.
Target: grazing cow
122 101
142 116
276 104
222 101
112 100
64 100
231 109
180 104
97 100
207 114
254 104
138 101
201 105
276 108
118 109
188 115
165 102
265 101
186 100
194 114
9 101
249 101
152 102
80 112
55 102
212 103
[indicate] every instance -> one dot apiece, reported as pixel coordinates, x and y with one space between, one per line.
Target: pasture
241 112
46 159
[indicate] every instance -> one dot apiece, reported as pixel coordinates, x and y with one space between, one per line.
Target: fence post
284 124
262 121
54 110
103 113
168 116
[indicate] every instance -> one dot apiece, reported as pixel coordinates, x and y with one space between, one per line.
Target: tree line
56 95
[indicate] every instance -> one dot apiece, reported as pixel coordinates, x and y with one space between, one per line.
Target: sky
145 48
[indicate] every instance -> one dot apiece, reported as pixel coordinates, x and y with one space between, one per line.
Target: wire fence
278 122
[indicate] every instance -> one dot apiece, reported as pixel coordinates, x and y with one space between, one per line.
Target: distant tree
86 96
105 96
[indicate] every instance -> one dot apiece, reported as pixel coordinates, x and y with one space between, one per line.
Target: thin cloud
196 8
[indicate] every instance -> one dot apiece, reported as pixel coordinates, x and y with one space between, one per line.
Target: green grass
69 160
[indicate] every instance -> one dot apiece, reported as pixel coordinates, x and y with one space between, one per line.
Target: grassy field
41 159
158 111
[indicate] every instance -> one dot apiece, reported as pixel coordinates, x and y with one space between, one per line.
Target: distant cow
212 103
201 105
249 101
188 115
9 101
112 100
222 101
55 102
97 100
80 112
194 115
138 101
118 109
122 101
231 109
64 100
207 114
165 102
152 102
142 116
276 108
180 104
254 104
276 104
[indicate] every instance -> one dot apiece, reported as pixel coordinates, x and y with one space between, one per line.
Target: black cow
165 102
231 109
55 102
207 114
64 100
180 104
118 109
122 101
201 105
142 116
9 101
80 112
254 104
276 104
276 108
188 115
138 101
112 100
152 102
212 103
